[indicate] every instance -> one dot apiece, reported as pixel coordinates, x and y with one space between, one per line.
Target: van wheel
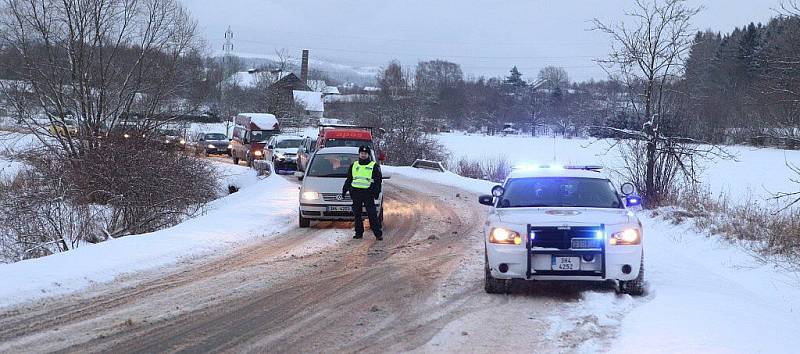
634 287
304 223
493 285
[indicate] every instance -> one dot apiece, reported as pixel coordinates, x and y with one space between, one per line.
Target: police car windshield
559 192
346 142
331 165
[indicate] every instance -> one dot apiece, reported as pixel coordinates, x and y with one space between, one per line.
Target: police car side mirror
627 188
498 191
486 200
270 147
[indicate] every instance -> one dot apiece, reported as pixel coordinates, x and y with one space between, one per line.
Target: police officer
364 184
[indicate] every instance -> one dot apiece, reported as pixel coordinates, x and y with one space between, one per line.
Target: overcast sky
485 37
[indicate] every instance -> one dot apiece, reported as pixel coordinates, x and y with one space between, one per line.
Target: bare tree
100 62
552 78
647 55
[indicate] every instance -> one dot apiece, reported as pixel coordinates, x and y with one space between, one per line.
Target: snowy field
262 208
754 175
703 296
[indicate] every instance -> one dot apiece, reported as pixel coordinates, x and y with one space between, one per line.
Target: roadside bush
127 187
145 187
38 218
490 169
767 232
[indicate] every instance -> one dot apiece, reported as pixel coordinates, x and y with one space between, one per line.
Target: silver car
321 188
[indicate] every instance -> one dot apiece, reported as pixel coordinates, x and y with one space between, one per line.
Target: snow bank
261 208
446 178
707 296
704 295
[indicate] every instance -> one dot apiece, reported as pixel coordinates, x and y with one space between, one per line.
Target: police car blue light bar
528 167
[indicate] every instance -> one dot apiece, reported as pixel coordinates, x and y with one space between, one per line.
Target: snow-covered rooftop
322 86
331 90
263 120
312 101
251 78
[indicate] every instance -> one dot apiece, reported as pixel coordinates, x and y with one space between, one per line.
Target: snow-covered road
316 290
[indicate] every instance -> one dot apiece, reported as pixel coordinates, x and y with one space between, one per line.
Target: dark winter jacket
377 178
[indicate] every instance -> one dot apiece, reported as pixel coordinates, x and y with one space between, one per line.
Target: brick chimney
304 67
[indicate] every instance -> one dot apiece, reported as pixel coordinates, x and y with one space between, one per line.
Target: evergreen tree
515 79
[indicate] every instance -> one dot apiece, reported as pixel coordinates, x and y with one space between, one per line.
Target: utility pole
227 48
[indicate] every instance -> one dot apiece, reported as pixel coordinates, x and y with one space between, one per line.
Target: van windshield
258 136
331 165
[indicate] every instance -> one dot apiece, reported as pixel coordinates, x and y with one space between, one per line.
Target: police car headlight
211 146
310 195
505 236
279 155
257 153
626 237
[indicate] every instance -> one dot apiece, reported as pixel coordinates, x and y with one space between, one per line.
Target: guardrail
428 165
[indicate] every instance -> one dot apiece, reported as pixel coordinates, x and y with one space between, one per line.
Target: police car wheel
634 287
493 285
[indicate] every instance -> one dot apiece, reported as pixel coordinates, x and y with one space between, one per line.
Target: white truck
562 223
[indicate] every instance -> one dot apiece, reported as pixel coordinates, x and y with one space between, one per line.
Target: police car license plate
566 263
340 208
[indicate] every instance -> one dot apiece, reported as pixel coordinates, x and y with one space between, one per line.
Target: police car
562 223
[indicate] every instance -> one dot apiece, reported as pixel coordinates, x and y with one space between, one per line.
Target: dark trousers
365 200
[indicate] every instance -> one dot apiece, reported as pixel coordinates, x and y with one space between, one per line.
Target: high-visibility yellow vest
362 175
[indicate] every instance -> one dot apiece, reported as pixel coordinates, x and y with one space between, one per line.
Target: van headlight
211 146
626 237
504 236
310 196
257 153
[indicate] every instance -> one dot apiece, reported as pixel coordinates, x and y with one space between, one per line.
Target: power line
416 40
420 54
